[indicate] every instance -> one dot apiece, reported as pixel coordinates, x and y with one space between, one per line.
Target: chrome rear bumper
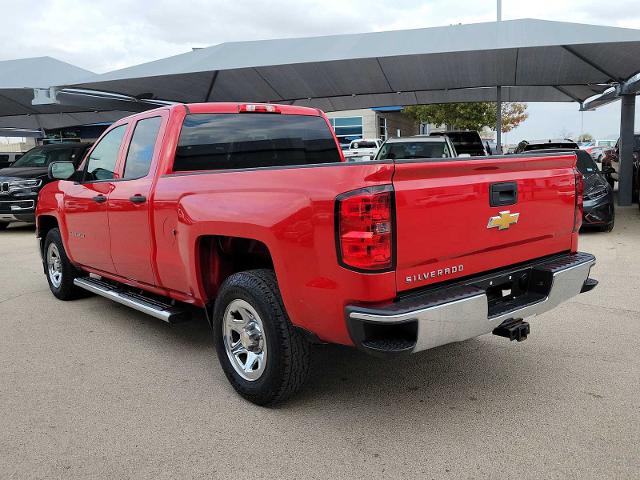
468 309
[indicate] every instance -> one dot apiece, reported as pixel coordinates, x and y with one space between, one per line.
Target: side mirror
61 170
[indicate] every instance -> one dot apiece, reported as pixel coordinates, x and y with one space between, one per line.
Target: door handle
99 199
137 198
502 194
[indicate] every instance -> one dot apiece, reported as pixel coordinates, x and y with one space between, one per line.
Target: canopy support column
498 120
625 173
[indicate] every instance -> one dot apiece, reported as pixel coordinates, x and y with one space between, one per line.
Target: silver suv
420 146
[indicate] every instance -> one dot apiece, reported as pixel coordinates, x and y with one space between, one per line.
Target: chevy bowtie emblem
503 221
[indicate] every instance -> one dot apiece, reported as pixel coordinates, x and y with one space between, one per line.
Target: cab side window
102 160
141 148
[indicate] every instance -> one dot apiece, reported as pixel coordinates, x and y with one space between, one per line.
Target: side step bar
160 310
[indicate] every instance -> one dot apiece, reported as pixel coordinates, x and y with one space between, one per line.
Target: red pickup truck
250 212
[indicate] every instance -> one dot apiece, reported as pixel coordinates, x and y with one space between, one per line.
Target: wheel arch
44 224
220 256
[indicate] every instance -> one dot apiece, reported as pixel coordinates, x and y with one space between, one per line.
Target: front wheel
264 358
3 225
59 270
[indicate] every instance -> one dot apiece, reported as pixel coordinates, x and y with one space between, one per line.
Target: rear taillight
258 108
579 208
365 229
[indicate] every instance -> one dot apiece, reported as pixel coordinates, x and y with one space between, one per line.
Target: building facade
382 122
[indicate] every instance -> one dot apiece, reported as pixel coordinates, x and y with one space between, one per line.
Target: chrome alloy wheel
54 265
244 339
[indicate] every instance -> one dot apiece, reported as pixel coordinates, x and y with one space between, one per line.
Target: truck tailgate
445 221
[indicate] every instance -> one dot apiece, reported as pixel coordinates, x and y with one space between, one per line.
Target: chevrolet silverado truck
250 213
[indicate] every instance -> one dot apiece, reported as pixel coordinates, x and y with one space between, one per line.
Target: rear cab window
224 141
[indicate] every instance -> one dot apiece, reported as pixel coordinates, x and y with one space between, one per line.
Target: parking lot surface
92 389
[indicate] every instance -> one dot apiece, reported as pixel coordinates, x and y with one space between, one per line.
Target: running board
160 310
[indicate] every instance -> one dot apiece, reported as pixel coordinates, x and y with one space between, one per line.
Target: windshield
42 157
467 142
546 146
586 165
408 150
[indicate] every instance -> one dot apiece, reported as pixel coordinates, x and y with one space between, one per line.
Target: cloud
104 35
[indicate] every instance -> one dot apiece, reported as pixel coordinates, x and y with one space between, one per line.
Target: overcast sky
102 35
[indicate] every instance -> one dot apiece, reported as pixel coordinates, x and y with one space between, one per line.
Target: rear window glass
409 150
545 146
252 140
465 138
356 145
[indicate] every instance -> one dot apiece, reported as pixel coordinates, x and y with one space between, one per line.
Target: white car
597 148
363 149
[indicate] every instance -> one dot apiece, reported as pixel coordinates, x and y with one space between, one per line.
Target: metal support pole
625 172
499 95
498 120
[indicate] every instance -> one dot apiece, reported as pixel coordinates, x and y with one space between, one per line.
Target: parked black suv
531 145
466 142
21 182
599 211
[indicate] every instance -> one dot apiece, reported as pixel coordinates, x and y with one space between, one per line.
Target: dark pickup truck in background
22 180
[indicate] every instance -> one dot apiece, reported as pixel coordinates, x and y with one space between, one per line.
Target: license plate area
514 289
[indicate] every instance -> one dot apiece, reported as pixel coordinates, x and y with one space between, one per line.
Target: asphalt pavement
92 389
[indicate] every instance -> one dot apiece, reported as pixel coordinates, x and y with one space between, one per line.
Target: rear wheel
59 270
3 226
264 358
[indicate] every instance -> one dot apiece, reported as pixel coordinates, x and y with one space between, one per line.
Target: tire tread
294 347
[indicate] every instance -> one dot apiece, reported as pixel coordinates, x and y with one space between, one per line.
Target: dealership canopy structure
531 60
517 60
539 60
28 102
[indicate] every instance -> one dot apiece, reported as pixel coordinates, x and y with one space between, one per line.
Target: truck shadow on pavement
455 376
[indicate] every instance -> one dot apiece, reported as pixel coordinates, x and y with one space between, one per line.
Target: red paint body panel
130 224
442 210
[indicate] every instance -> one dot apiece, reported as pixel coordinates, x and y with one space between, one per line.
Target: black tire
66 290
611 182
287 365
609 227
3 226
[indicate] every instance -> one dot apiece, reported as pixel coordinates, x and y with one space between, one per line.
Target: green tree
585 137
470 116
